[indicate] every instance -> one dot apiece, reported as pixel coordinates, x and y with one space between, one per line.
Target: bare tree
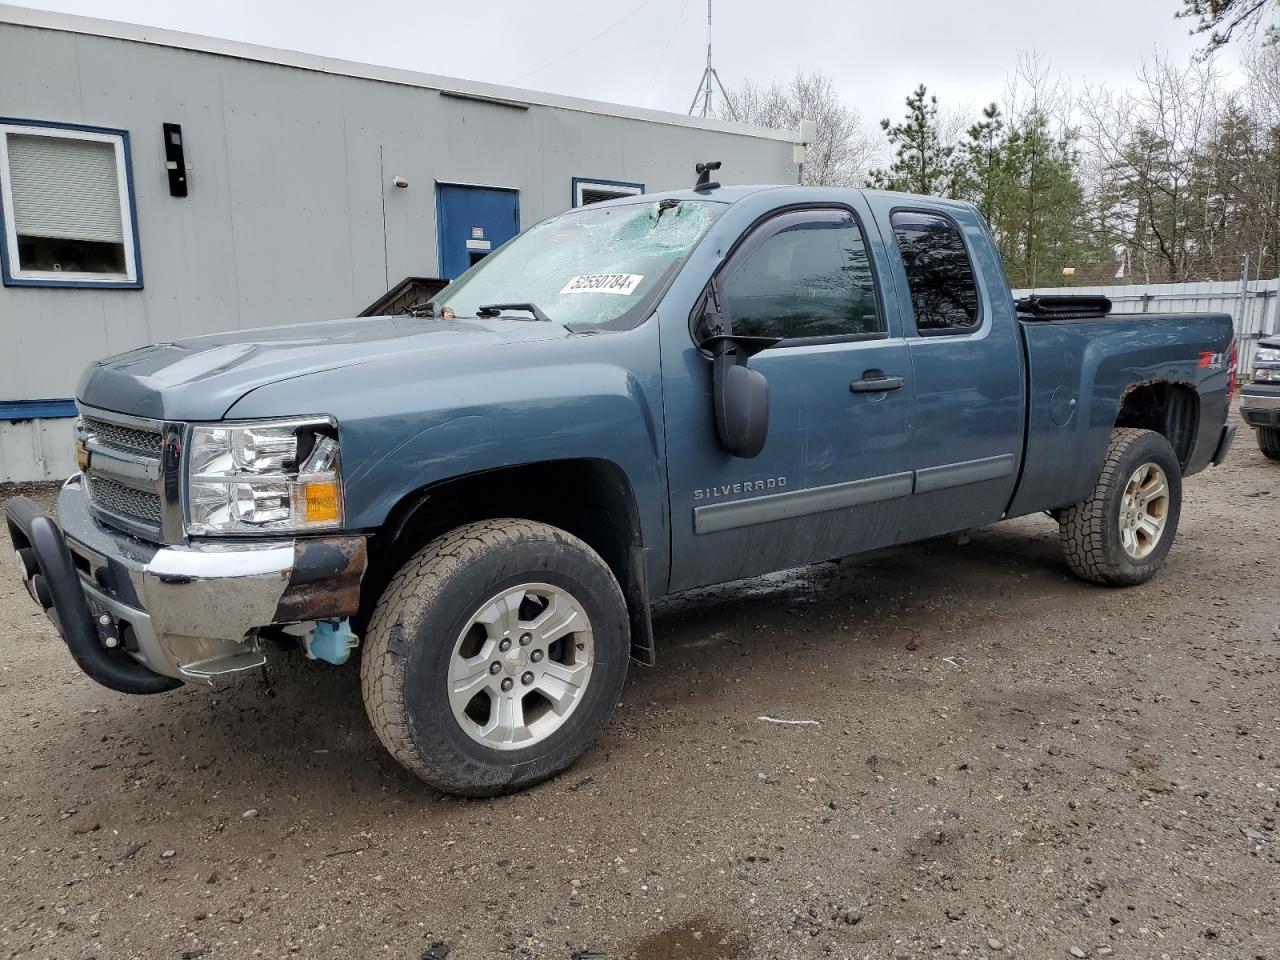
1262 68
844 149
1259 184
1146 145
1040 220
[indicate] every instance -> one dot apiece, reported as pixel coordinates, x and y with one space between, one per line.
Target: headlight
1263 375
266 476
1267 354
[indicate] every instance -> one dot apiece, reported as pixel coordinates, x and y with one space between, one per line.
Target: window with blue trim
67 203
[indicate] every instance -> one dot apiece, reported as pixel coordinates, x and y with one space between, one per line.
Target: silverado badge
772 484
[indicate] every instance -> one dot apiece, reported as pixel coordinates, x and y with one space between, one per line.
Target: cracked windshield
595 266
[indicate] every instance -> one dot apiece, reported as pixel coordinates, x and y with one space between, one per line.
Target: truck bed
1103 359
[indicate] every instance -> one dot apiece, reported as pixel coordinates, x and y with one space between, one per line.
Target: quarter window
67 208
805 274
939 274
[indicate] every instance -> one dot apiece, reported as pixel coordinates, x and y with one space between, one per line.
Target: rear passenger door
834 473
966 357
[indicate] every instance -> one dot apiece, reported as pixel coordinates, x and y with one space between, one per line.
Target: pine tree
980 168
1042 226
1021 175
922 163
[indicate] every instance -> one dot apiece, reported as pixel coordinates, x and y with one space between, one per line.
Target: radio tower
709 77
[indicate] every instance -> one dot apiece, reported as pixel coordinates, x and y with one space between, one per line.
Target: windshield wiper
494 309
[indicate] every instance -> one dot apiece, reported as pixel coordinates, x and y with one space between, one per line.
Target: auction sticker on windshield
623 283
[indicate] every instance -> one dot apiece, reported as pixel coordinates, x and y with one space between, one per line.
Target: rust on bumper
325 581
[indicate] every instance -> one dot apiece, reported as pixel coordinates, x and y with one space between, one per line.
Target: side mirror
739 395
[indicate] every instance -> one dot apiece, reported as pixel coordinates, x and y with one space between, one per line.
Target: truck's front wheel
1269 442
1122 533
495 656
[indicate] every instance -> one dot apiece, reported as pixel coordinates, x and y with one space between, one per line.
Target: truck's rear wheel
1269 442
495 656
1122 533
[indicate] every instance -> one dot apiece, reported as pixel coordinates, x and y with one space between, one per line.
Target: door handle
875 381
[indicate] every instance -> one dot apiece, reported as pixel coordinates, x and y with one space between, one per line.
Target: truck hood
200 378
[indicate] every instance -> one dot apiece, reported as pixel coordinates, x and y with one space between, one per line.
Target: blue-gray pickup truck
628 399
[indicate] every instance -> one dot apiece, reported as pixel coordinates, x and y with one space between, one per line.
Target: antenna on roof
709 77
704 171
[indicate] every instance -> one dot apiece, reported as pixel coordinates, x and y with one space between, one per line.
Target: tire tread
413 589
1082 527
1269 442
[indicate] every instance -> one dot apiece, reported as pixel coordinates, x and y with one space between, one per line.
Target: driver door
834 476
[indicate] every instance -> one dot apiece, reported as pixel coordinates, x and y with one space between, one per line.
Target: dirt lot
1008 763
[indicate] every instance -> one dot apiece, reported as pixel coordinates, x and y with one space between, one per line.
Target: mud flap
1224 445
637 594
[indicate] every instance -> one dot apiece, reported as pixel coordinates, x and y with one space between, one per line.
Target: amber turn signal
322 501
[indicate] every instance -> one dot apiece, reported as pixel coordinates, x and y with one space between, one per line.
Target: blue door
473 222
966 360
835 473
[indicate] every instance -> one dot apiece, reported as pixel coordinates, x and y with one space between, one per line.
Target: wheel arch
1170 408
591 498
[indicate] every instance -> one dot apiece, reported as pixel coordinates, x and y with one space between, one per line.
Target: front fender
405 424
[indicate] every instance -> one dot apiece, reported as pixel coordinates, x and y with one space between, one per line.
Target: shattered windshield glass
597 266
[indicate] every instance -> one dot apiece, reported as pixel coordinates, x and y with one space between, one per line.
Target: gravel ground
1006 763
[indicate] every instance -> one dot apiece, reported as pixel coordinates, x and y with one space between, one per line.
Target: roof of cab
732 194
718 195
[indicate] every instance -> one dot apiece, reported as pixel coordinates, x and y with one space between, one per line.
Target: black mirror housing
742 410
739 394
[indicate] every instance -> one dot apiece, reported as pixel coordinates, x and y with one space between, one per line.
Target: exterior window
943 290
804 274
593 191
67 207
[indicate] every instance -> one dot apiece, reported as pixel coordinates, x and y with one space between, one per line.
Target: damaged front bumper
139 616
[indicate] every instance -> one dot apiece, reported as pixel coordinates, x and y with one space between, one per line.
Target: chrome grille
120 437
124 501
126 473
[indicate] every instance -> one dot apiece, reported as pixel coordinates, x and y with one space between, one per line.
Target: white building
157 185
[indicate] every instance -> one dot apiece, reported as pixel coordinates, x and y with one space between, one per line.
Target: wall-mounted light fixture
400 182
175 163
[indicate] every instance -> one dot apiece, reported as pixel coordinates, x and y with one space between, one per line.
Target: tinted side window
809 276
943 291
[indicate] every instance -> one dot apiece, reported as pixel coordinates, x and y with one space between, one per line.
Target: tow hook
108 630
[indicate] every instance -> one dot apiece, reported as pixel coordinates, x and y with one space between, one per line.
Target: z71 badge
1210 360
746 486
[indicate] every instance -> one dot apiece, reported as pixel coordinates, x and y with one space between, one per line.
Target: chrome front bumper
1260 406
192 611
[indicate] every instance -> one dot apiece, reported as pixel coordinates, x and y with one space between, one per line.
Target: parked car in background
629 399
1260 399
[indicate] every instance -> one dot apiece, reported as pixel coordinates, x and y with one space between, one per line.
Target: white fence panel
1254 307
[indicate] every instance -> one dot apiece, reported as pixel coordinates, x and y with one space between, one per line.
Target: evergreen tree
922 163
980 170
1041 224
1221 19
1022 177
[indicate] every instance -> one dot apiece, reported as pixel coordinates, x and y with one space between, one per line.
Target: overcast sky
875 51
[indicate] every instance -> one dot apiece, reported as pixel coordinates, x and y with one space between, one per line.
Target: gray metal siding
292 168
1254 306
